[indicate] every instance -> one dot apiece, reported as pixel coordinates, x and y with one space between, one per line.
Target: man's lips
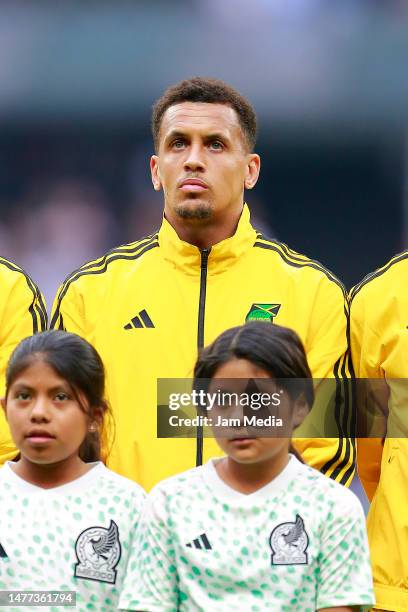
193 185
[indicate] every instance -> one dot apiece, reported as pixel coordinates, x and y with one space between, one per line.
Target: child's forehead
38 370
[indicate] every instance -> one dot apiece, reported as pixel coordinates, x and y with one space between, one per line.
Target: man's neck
206 232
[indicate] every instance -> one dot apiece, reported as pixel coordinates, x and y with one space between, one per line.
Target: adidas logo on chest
141 320
201 543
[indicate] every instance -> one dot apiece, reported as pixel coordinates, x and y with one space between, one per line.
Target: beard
199 210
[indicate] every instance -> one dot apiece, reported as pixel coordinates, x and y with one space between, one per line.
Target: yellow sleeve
369 455
327 347
369 449
68 310
22 313
70 314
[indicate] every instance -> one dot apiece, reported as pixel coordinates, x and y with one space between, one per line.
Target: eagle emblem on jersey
263 312
98 552
289 542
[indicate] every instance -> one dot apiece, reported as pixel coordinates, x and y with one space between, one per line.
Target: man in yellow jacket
22 313
379 342
150 305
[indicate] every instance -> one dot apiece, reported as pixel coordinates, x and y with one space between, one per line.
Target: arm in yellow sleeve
67 310
22 313
327 347
369 448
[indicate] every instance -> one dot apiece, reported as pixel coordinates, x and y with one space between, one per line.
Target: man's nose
195 159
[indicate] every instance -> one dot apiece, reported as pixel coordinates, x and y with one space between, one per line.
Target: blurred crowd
63 213
75 147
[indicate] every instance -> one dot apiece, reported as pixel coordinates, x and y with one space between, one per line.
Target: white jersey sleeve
151 582
344 571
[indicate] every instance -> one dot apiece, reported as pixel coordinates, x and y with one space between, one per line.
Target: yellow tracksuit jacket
148 305
22 313
379 343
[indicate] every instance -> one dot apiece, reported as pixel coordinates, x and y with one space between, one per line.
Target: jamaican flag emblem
263 312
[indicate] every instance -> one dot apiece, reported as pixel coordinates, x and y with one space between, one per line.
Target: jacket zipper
200 337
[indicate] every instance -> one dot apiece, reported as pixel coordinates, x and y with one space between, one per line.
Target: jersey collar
187 257
273 489
79 484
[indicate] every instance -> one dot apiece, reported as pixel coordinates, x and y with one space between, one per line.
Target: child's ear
300 410
3 404
96 420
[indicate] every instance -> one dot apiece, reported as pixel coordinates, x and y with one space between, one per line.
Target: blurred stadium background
328 79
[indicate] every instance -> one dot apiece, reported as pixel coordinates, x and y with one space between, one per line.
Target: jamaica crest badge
263 312
98 552
289 542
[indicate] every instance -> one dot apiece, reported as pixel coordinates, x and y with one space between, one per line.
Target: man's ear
3 404
154 169
252 170
300 410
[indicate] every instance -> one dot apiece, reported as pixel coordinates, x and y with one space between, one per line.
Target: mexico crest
98 552
289 542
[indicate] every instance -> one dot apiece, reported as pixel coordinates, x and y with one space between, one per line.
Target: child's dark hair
79 364
277 350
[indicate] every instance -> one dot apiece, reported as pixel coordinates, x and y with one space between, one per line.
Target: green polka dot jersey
297 544
40 534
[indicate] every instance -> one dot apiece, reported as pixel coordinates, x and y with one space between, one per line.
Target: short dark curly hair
214 91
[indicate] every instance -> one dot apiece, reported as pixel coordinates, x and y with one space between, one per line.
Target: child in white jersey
66 521
257 530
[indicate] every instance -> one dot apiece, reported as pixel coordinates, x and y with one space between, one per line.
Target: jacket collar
187 257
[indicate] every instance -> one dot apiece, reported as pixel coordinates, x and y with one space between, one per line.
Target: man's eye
217 145
178 144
